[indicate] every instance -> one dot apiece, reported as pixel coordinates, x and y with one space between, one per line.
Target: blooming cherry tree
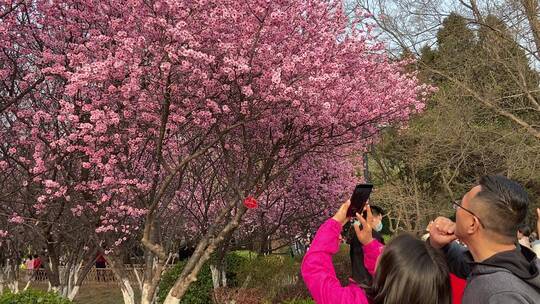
111 109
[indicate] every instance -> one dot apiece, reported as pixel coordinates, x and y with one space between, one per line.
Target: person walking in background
30 263
408 270
487 220
23 266
37 262
101 263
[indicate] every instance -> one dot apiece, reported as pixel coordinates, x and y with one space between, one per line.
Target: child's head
410 271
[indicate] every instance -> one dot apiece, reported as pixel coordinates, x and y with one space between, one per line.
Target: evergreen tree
444 150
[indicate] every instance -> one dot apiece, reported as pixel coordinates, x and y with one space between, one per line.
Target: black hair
410 271
506 202
524 229
375 210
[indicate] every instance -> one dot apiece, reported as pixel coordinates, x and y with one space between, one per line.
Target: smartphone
359 198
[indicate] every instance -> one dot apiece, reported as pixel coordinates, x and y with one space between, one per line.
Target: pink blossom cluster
180 107
16 219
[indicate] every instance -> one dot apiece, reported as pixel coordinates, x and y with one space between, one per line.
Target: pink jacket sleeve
318 271
372 251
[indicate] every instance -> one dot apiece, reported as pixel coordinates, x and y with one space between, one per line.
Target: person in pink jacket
407 270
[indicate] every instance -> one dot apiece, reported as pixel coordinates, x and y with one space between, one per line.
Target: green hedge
266 274
235 262
33 297
270 273
199 292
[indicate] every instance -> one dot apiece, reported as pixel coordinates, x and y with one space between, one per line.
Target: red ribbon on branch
250 202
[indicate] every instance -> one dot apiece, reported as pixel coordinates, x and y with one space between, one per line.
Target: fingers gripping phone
359 198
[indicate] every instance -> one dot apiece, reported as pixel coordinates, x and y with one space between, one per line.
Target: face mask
378 227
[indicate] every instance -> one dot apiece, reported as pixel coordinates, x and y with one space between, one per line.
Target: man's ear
474 225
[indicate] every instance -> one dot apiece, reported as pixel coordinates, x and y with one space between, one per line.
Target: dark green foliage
234 263
201 290
198 293
33 297
273 274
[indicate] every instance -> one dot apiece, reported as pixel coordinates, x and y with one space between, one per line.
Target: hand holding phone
359 198
364 230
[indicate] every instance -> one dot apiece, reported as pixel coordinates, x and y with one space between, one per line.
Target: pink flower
16 219
246 90
50 183
276 76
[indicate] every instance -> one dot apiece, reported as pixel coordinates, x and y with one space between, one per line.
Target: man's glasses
456 204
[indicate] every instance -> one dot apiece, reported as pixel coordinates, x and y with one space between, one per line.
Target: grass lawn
99 293
106 293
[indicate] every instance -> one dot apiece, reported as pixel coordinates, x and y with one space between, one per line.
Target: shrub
239 295
293 292
235 262
199 292
33 297
300 301
272 273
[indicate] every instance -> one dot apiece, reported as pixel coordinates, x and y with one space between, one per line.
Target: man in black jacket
359 271
497 269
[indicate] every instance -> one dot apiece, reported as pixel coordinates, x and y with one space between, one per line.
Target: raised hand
364 235
341 214
442 232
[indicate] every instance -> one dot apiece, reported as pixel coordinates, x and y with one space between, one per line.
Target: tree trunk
154 268
9 276
219 277
69 275
151 282
66 280
119 271
218 267
207 245
51 263
263 244
127 291
155 259
81 274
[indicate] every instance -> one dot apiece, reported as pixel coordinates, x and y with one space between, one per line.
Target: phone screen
359 198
